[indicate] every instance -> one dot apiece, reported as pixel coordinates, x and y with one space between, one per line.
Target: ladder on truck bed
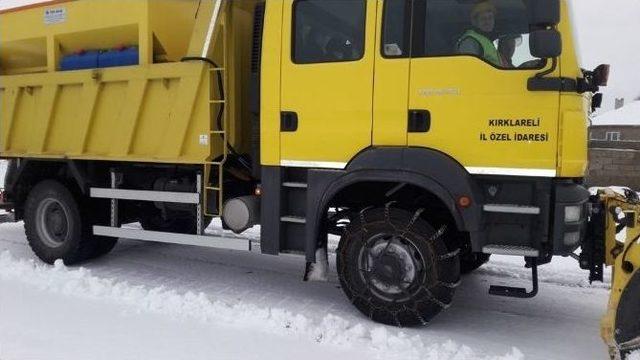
213 168
218 125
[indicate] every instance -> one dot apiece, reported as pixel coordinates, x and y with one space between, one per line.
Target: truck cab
386 83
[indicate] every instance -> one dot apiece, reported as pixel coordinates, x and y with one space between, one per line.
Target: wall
614 162
614 167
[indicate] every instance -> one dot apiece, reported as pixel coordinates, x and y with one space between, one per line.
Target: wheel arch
24 174
430 170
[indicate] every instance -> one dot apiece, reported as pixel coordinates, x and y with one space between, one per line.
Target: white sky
608 31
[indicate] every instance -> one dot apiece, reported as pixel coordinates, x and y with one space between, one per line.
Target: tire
472 262
54 225
173 225
395 268
96 211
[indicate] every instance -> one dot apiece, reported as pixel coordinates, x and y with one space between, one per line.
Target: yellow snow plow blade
615 214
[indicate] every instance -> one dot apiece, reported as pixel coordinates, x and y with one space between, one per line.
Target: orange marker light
464 201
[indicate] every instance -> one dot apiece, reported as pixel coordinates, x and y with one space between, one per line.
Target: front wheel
395 268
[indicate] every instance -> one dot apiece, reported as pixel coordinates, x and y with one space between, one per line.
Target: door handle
288 121
419 121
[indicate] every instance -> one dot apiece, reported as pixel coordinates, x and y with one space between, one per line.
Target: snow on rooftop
626 115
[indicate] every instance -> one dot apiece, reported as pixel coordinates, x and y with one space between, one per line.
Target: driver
477 40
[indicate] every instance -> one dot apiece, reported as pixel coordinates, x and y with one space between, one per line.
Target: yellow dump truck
426 134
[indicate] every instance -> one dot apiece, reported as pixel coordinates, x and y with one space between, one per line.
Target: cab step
295 185
518 292
511 250
293 219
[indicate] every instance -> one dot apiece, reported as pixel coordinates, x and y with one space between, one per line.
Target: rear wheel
395 267
56 229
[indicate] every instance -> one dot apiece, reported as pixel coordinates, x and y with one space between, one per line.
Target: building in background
614 148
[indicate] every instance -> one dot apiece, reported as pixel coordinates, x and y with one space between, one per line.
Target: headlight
572 214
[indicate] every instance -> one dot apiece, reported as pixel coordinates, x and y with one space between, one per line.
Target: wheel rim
52 220
392 267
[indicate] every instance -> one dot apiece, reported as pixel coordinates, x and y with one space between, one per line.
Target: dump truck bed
159 110
152 113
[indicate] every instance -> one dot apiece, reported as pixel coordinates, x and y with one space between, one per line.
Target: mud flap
318 271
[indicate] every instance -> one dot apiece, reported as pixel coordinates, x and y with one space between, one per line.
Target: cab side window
328 30
495 31
396 28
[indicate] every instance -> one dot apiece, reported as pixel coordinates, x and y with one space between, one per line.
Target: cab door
479 113
327 81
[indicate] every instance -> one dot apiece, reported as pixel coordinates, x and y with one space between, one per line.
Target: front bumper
556 224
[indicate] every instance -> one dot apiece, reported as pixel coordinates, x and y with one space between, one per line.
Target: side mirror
545 44
601 75
544 12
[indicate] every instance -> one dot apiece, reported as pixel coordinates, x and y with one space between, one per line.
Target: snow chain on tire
395 233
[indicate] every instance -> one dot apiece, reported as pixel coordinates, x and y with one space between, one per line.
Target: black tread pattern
433 296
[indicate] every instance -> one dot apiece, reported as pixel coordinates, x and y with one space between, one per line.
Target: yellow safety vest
490 53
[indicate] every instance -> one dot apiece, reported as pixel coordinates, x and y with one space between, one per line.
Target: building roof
626 115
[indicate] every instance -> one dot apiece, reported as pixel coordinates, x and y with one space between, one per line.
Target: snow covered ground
172 302
155 301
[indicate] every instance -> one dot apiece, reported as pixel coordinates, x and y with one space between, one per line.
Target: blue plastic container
119 57
84 60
